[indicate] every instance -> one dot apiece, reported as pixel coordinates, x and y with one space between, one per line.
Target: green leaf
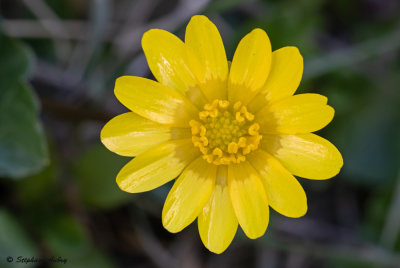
67 238
16 59
94 258
369 149
96 171
35 190
23 148
14 242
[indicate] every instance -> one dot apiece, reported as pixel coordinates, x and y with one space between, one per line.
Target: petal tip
298 214
339 163
255 235
147 34
258 30
216 250
292 49
118 82
121 184
154 36
169 226
199 17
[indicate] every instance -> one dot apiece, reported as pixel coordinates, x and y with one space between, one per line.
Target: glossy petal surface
207 57
157 166
283 79
250 66
129 134
249 199
166 56
189 194
154 101
217 222
296 114
284 192
305 155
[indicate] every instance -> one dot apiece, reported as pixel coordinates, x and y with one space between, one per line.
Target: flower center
225 134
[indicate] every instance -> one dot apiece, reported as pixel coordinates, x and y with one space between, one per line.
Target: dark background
58 197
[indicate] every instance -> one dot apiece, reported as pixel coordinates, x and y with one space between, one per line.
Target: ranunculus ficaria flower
233 135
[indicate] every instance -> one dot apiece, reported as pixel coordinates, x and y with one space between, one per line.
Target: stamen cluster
225 134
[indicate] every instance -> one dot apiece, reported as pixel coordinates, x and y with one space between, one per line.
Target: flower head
234 136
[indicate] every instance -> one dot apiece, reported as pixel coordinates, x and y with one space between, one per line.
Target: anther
204 140
218 152
223 104
203 130
239 117
253 129
242 142
233 148
237 105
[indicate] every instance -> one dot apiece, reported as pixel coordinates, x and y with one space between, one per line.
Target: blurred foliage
14 241
66 237
22 142
67 203
93 171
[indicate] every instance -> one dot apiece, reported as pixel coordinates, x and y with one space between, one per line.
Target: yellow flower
233 135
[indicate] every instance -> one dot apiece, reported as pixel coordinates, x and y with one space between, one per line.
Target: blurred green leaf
23 148
65 8
96 171
364 127
14 242
376 214
67 238
369 151
94 258
339 263
34 193
16 59
35 190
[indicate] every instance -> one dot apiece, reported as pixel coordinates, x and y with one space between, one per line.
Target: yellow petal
250 67
217 223
166 56
284 192
249 199
129 134
157 166
189 194
284 77
305 155
301 113
207 57
154 101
